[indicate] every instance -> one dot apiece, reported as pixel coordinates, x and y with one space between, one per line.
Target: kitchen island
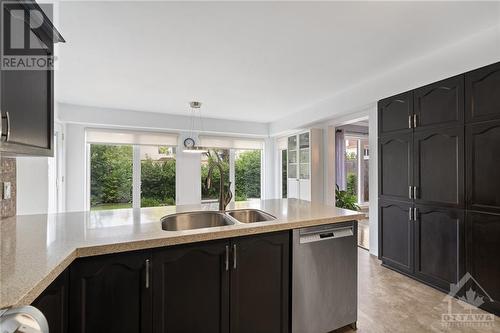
37 249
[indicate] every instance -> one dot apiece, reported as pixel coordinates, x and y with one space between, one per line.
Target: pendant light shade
190 143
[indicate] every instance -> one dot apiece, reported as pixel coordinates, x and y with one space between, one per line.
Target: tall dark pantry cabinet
439 185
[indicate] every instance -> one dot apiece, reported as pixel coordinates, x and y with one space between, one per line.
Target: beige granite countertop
35 249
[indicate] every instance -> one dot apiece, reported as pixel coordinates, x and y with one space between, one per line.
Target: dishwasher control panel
325 234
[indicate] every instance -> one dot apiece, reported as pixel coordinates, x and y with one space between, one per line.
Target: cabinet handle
234 256
415 213
409 192
410 217
7 134
148 267
414 192
414 120
227 258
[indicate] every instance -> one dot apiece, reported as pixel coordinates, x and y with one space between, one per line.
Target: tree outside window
111 176
157 176
247 166
210 192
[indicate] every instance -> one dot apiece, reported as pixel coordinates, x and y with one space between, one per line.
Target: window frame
360 151
232 174
136 173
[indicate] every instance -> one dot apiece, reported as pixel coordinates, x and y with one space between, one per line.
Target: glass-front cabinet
292 157
299 165
304 156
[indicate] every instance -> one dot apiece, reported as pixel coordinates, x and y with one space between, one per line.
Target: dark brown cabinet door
27 109
482 165
191 288
394 113
396 235
440 104
395 166
111 294
482 249
482 93
53 303
260 283
439 244
439 167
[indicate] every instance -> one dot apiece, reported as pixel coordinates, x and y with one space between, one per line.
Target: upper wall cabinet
440 103
395 166
482 161
27 112
482 98
395 113
305 165
439 167
27 92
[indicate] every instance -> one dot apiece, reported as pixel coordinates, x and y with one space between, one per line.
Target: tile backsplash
8 174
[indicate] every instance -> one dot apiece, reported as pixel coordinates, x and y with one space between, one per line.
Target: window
357 166
157 176
282 146
284 176
242 163
130 169
351 165
110 176
210 173
247 165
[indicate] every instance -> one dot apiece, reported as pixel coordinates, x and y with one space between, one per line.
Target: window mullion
232 172
136 177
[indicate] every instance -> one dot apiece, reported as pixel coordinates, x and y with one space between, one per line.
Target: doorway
352 173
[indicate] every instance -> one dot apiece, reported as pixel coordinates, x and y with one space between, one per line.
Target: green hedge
111 177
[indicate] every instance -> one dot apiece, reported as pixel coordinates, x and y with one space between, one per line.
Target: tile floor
364 234
391 302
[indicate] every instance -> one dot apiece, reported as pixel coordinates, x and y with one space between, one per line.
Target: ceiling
259 61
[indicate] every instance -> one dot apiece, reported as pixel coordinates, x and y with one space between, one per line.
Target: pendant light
190 143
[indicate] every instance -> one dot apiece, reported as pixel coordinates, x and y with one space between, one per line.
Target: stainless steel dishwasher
324 280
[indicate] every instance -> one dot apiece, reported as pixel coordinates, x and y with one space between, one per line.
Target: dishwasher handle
323 235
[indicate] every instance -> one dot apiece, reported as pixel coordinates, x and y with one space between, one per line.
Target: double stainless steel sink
209 219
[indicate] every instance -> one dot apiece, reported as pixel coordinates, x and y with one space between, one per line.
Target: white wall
76 162
106 117
471 53
32 185
329 163
373 181
187 176
268 190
